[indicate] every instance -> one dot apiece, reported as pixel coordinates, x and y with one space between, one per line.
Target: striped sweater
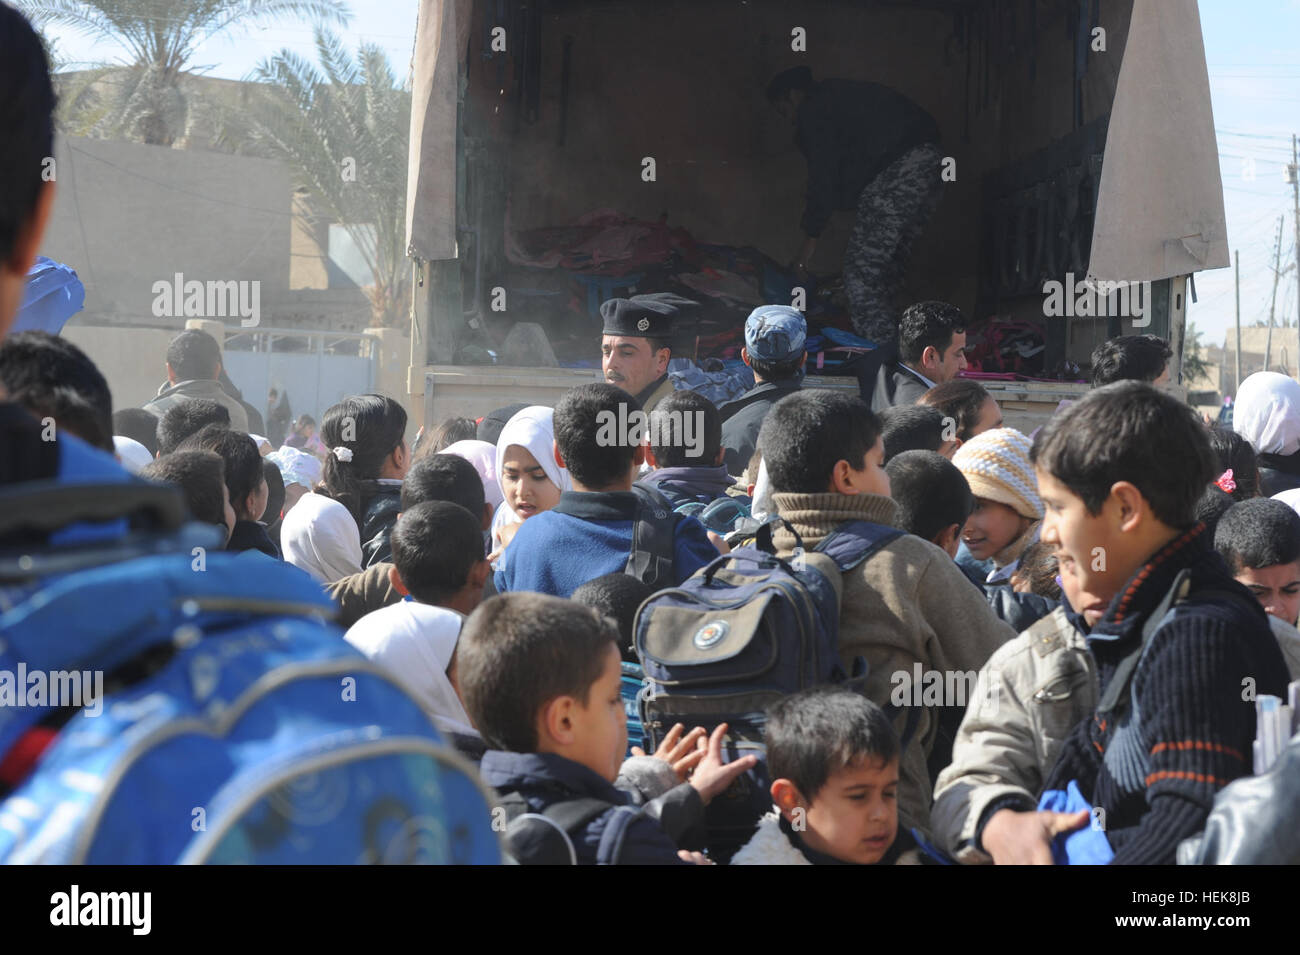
1155 764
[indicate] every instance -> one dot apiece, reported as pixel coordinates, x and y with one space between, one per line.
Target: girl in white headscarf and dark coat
1267 414
531 480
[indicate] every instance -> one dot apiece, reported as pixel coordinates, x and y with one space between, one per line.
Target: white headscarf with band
1267 413
533 430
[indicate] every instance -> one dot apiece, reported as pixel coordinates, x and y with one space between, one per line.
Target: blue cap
775 333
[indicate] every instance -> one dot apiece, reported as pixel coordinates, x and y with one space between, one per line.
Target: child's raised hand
699 858
682 753
712 775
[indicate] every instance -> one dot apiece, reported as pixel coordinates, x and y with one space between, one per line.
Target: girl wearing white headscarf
1267 414
531 481
483 455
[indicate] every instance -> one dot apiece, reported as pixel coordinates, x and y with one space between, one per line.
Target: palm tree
147 99
343 131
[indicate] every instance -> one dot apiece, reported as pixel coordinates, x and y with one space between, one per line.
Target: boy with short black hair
1259 540
917 428
1119 473
186 419
138 425
589 533
53 378
687 470
833 758
908 604
201 477
1131 358
933 497
438 561
540 678
616 596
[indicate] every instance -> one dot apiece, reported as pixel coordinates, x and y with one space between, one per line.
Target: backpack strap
653 555
852 543
546 837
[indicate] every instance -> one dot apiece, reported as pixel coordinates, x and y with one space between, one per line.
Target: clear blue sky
1253 51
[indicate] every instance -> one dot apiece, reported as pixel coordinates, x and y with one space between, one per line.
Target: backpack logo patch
711 634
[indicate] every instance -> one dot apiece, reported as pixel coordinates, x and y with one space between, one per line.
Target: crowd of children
497 572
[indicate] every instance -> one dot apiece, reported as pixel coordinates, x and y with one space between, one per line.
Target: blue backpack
740 634
223 719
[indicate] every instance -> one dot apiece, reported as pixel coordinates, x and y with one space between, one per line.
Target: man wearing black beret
637 344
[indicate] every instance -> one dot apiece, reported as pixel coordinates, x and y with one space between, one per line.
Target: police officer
636 345
774 349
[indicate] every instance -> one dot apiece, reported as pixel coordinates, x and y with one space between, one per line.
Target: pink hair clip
1226 483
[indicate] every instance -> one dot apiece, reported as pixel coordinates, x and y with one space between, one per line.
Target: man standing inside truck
868 148
636 344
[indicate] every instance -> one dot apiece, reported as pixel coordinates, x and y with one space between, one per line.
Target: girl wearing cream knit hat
1007 511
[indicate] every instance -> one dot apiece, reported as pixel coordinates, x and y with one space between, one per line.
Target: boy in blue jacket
540 680
590 532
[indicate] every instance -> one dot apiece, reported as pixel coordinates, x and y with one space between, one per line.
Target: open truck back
564 152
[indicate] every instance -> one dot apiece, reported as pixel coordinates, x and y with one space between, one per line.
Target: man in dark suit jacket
931 350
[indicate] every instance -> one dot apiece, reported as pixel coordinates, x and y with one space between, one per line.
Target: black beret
644 316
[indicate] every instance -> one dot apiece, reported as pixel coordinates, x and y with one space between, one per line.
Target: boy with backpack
1259 540
833 756
905 605
602 526
1182 650
540 678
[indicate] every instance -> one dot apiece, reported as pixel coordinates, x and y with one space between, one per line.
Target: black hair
1129 357
519 651
931 493
194 354
139 425
186 418
51 377
815 733
444 477
807 432
494 422
435 546
777 370
616 596
1131 432
1039 565
274 492
1258 533
1211 506
911 428
1237 454
787 81
449 432
962 400
925 325
593 457
243 463
668 426
26 124
200 475
371 427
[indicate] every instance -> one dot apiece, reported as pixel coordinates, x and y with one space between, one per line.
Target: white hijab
532 429
415 642
483 456
1267 413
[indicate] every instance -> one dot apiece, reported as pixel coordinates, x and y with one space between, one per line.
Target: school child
907 604
438 562
1007 509
540 679
1119 473
833 758
1259 540
201 477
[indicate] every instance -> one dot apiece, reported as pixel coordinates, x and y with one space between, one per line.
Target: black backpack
546 838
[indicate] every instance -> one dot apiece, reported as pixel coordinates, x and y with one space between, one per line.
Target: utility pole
1293 175
1277 262
1236 384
